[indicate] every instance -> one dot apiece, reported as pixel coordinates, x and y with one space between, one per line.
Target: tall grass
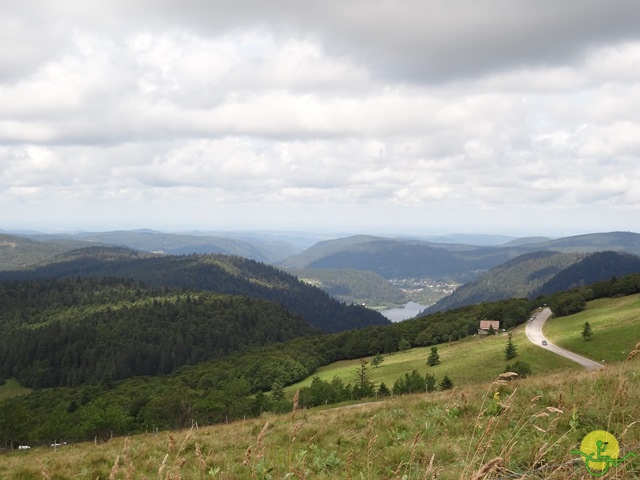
499 430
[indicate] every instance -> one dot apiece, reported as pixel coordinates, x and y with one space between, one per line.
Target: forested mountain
408 259
354 286
218 273
19 252
540 273
596 267
401 258
87 331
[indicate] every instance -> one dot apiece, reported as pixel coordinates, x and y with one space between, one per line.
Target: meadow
615 326
472 360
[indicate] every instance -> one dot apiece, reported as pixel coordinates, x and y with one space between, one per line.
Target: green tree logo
600 451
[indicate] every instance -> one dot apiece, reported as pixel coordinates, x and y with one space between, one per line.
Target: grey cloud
427 40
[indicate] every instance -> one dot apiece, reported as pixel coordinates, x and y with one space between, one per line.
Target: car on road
544 343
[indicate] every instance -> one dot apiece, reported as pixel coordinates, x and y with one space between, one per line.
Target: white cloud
395 105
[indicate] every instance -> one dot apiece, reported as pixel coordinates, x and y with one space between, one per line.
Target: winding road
534 334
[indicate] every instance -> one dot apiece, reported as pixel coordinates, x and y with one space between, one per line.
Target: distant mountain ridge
398 258
36 247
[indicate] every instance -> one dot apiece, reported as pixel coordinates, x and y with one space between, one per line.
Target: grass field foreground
502 429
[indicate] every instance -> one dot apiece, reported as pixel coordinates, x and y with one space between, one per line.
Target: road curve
535 336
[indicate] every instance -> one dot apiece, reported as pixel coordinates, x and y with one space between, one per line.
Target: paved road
534 334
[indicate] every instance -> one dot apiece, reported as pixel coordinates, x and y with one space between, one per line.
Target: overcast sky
369 116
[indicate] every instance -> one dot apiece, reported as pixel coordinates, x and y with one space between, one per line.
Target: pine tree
383 390
586 332
446 383
434 358
277 390
377 360
510 350
430 382
404 344
363 387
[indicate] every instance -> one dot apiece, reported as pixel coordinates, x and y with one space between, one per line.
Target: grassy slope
615 323
12 389
475 359
448 434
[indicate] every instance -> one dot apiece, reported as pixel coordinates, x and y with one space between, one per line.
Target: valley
235 338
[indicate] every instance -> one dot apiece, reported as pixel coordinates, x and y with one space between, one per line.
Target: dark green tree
491 330
523 369
277 390
383 390
434 358
586 332
377 360
363 387
510 350
430 382
404 345
446 383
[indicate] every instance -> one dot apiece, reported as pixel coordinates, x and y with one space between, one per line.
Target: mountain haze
402 258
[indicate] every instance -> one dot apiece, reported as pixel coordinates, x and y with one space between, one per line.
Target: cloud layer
253 114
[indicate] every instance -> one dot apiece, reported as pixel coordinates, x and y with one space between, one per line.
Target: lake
410 310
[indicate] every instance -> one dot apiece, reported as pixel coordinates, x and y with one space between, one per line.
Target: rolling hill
219 273
86 331
265 247
402 258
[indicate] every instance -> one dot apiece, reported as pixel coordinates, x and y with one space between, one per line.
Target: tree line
245 383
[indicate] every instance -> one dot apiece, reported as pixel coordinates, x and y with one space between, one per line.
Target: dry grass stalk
487 468
129 471
163 465
201 460
626 429
260 447
414 447
114 469
296 398
295 430
45 474
247 457
184 443
347 468
430 470
250 461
